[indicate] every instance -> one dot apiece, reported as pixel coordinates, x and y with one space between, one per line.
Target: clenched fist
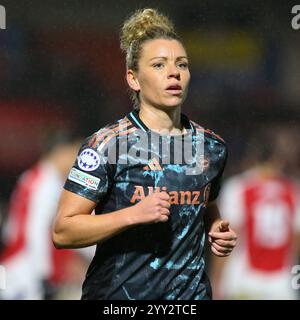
152 209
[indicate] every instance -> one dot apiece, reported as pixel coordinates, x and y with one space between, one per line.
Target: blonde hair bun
141 24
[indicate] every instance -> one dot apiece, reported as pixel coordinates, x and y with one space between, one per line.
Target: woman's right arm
75 227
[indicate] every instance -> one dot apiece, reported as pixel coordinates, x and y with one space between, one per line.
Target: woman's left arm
220 235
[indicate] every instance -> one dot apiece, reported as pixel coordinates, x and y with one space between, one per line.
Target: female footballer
151 178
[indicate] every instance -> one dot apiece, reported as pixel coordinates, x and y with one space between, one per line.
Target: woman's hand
152 209
222 238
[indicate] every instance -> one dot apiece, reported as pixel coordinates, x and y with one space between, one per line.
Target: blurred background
61 68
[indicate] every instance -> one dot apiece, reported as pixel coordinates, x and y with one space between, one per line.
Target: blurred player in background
34 269
263 205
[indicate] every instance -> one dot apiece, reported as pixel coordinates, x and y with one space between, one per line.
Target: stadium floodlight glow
2 18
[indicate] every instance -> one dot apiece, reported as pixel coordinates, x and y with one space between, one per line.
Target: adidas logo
153 165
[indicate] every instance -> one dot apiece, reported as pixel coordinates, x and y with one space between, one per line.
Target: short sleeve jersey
119 166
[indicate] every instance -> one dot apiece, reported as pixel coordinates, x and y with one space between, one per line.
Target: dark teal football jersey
119 166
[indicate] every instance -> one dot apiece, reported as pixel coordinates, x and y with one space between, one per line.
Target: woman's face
163 75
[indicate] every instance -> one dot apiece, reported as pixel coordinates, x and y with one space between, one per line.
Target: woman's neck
162 121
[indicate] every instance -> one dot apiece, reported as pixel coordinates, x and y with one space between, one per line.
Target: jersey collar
137 122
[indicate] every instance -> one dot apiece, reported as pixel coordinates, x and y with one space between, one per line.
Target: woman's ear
132 80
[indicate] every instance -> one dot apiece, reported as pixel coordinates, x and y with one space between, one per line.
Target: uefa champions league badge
88 160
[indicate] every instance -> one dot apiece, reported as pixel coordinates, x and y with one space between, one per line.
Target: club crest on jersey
88 160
